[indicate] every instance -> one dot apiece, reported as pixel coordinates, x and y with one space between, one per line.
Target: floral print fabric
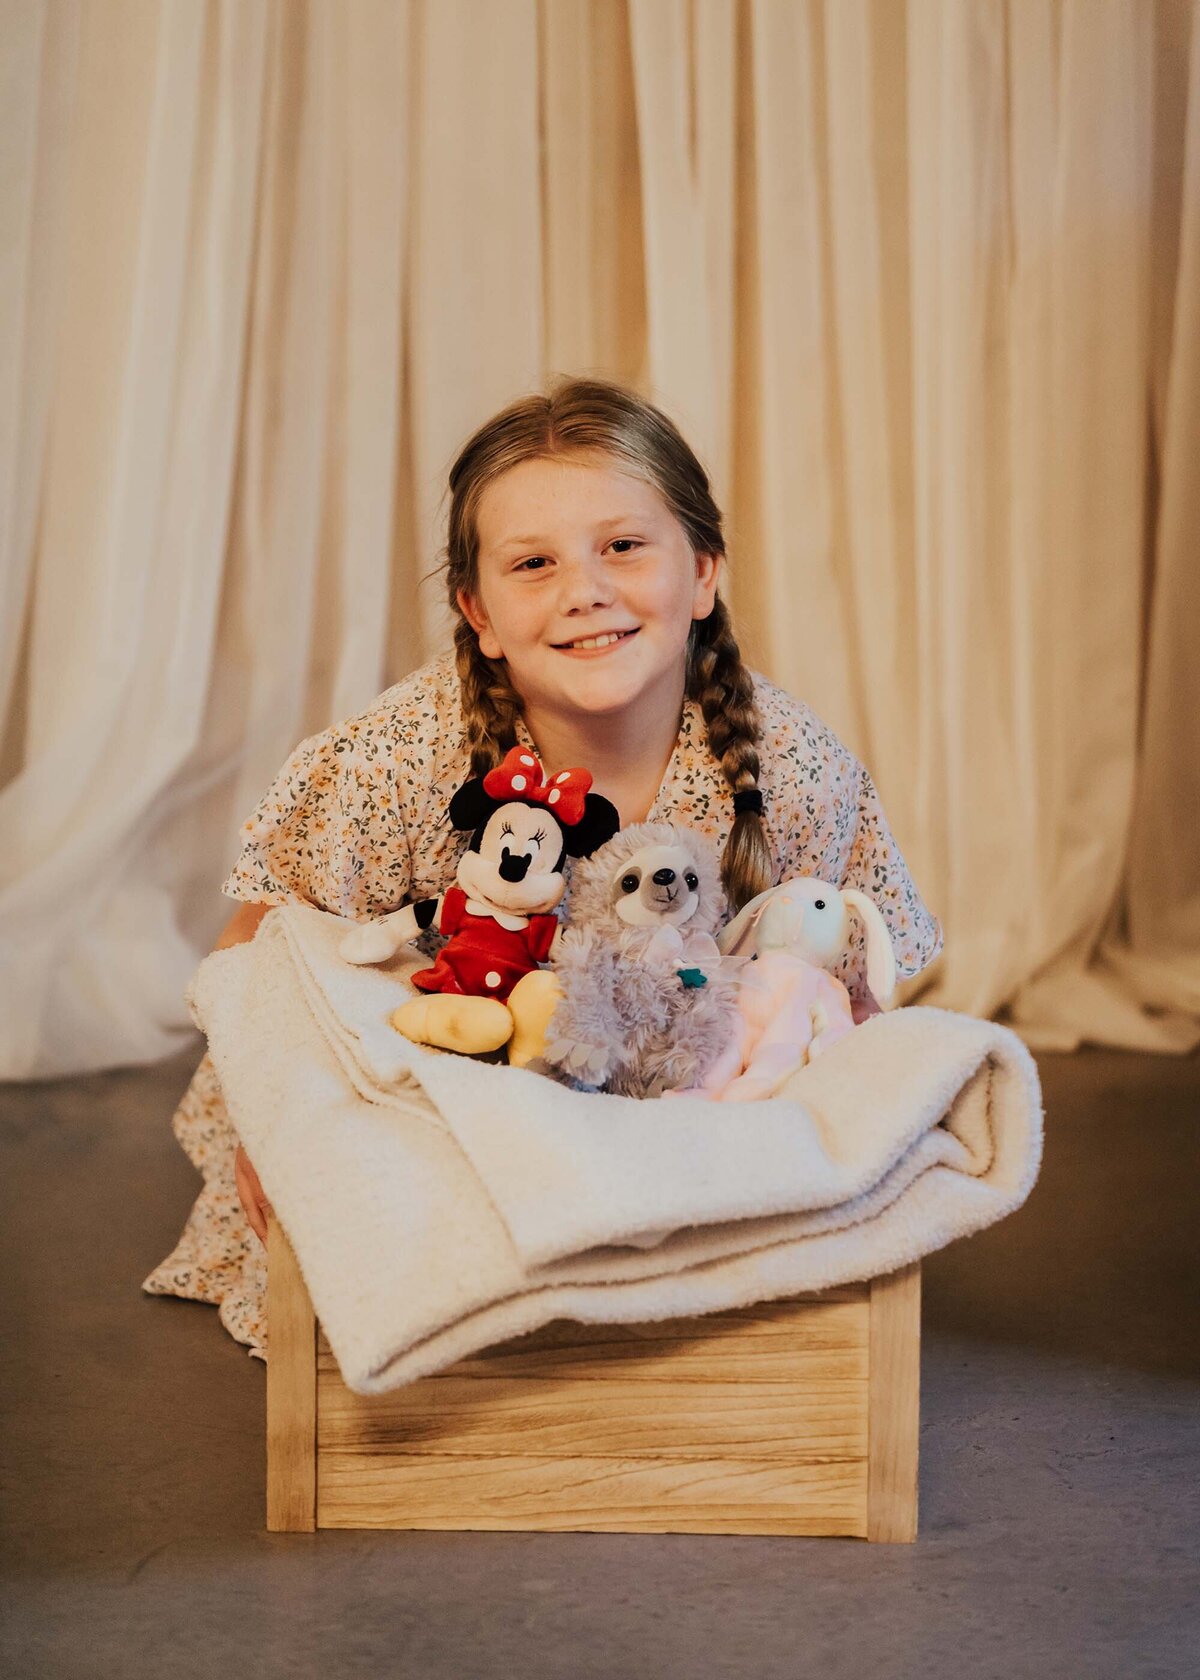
356 823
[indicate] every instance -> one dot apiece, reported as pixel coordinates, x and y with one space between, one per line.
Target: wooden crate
794 1417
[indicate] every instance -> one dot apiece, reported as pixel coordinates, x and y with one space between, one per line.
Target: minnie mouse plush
485 988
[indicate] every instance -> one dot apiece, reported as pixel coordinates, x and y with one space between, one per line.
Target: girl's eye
535 563
631 541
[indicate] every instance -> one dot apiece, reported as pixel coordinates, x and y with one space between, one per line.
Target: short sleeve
541 936
329 830
454 904
873 864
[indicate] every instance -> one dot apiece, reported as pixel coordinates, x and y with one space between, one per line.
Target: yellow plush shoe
532 1002
469 1025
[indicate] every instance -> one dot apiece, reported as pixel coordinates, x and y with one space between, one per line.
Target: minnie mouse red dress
485 959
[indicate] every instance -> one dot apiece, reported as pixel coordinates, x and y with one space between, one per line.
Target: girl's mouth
597 644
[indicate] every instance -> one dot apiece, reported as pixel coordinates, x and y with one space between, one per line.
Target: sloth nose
513 868
663 877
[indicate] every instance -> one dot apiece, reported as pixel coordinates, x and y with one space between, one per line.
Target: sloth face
657 884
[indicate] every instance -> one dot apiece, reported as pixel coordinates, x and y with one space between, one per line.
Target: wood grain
750 1422
895 1405
595 1494
791 1417
291 1390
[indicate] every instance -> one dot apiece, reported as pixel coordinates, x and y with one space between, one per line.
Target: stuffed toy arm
583 1034
376 942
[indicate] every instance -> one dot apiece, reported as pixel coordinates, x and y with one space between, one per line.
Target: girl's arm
241 926
863 1007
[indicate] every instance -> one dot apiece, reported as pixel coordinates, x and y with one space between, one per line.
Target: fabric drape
920 283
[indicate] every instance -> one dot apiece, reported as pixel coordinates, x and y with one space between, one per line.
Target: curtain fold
130 546
921 284
1154 954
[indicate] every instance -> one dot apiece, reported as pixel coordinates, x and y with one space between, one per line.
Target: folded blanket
438 1204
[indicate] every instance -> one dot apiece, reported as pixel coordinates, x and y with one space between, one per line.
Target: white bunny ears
810 919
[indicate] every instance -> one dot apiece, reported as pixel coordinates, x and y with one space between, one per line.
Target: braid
721 683
490 706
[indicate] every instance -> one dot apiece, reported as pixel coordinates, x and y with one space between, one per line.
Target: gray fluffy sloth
647 1002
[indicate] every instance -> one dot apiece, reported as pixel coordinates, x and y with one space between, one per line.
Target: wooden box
793 1417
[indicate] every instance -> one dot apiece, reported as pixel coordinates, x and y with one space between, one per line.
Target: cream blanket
438 1204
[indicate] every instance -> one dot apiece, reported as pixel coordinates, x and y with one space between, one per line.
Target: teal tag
693 976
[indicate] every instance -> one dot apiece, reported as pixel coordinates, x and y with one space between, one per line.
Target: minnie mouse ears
585 820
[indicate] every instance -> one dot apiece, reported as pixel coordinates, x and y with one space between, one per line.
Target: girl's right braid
490 706
724 688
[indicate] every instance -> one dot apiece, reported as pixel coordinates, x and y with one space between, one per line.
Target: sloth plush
646 1003
484 988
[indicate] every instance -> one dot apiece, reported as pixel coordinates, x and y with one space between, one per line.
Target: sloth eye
818 904
692 879
630 882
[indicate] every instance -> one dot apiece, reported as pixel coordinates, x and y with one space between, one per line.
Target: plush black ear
472 805
600 821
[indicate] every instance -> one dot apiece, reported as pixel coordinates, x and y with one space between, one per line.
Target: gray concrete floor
1059 1445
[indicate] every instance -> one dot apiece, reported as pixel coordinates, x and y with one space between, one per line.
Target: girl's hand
864 1007
250 1193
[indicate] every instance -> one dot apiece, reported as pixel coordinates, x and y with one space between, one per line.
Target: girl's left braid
490 706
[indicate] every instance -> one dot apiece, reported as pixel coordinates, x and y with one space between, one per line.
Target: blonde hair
596 417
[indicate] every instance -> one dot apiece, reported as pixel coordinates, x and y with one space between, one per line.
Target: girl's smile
599 643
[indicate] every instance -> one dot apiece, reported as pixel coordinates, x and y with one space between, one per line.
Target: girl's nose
585 584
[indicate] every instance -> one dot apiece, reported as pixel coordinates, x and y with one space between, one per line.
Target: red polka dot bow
520 776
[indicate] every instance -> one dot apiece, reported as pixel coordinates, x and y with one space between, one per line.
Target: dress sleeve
541 936
454 902
871 861
329 830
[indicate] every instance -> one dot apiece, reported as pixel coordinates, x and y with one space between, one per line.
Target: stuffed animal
790 1008
484 988
645 1002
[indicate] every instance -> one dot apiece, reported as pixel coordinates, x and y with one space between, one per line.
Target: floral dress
356 823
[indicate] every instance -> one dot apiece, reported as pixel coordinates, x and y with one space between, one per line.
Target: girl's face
587 587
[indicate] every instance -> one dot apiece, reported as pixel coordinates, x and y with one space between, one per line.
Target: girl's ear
704 593
599 822
471 608
471 805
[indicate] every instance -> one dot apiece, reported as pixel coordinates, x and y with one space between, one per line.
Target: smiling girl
583 557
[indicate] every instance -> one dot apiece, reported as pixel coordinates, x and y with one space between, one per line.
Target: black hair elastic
749 800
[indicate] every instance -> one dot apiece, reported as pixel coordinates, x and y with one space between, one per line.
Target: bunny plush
789 1007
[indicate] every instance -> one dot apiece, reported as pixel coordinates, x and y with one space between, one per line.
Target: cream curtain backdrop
920 282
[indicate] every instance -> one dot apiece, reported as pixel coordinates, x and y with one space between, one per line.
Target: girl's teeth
598 641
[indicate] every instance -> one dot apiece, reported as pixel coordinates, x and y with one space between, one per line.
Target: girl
582 566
